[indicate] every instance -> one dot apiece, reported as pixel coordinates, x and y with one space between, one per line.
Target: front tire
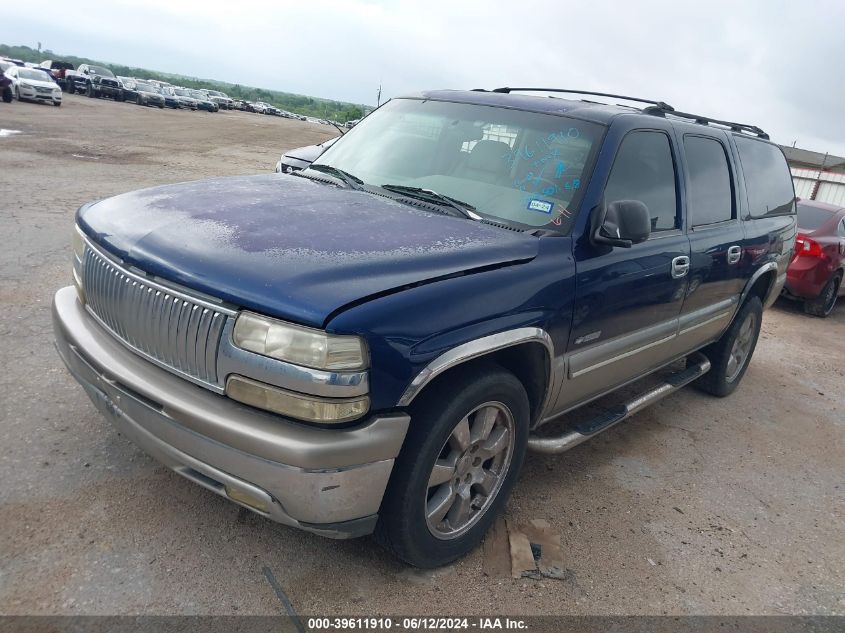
458 464
730 355
89 90
823 305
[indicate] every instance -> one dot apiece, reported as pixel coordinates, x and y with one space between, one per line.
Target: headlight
298 345
295 405
25 85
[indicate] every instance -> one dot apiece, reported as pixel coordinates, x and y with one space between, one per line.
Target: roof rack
660 104
703 120
655 108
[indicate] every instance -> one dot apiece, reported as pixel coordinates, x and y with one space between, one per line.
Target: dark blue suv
371 344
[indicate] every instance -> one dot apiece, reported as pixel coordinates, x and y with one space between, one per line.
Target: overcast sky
776 64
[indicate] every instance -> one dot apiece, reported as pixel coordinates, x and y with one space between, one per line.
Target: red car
816 271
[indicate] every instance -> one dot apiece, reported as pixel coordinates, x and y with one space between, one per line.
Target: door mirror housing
621 223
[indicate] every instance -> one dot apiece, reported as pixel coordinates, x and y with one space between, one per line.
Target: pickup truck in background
371 344
94 81
58 69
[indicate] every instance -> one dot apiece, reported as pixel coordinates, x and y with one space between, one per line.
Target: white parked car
33 85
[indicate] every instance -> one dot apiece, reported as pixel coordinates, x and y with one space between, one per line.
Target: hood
41 83
289 247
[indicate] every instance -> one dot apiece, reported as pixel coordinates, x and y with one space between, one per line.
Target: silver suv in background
221 99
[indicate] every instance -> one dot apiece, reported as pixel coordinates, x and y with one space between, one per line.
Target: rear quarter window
768 182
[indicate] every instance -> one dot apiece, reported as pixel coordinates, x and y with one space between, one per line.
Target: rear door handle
734 254
680 267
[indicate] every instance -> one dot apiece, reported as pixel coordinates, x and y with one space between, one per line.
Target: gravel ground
695 506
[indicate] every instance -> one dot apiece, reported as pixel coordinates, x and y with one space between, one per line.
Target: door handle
680 267
734 254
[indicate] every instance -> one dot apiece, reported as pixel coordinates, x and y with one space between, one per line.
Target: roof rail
655 108
704 120
660 104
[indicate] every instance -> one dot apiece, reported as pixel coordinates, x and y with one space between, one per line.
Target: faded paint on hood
289 247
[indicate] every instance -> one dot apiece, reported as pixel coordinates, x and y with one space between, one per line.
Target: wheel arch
761 283
525 352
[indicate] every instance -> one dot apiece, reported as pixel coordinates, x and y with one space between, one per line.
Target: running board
697 366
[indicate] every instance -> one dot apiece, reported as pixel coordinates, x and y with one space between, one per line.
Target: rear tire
730 356
468 436
823 305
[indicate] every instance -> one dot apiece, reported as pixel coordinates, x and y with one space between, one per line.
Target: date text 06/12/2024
415 624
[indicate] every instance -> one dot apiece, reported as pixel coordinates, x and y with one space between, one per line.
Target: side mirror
621 223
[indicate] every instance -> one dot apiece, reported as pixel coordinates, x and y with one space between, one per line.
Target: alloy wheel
831 293
741 349
470 470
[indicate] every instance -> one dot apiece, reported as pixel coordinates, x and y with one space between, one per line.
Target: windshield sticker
529 151
543 206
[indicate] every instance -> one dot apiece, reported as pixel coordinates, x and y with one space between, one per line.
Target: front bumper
327 481
111 91
34 94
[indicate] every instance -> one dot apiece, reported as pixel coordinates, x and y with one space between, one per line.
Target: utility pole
378 98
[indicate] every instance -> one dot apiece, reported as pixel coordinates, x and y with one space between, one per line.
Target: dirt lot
697 505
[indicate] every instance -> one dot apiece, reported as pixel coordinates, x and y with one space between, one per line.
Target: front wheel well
528 361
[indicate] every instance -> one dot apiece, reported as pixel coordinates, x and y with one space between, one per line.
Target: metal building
817 176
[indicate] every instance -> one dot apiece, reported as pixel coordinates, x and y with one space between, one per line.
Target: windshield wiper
353 182
465 209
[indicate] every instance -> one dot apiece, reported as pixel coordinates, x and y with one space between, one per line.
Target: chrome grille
171 328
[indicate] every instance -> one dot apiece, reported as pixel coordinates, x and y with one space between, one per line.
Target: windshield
33 75
144 87
196 94
97 70
525 169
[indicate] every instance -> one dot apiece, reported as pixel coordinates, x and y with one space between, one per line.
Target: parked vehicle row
98 82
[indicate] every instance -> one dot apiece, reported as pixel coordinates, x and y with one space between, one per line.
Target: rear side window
811 218
710 196
767 178
644 171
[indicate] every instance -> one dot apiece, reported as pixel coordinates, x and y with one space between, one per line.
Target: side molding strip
475 349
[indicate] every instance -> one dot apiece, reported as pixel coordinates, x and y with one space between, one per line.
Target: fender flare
478 348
